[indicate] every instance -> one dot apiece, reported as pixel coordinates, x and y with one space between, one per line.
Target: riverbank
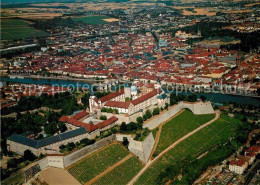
76 82
64 78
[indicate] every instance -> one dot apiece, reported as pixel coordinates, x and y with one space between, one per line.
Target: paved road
171 147
251 172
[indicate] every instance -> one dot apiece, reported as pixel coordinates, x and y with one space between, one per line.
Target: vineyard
180 126
218 132
121 174
91 166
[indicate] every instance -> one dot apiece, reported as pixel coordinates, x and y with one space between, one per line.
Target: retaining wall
80 154
197 108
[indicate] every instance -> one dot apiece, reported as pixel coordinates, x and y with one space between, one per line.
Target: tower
127 90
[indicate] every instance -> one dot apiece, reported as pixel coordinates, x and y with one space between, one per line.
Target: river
213 97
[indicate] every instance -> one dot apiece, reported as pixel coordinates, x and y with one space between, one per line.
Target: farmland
180 126
94 20
18 29
97 163
121 174
197 144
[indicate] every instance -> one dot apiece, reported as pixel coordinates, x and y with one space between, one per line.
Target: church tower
127 90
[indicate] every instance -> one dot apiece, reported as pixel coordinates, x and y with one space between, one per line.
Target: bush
123 127
125 141
148 114
12 163
61 147
70 146
139 120
104 109
156 111
103 117
28 155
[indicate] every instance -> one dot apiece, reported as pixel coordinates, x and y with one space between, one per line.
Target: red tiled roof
112 95
80 115
237 162
145 97
107 122
64 119
117 104
90 127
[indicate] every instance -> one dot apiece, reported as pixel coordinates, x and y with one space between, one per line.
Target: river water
213 97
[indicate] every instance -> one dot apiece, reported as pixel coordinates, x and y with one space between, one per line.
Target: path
109 169
171 147
158 134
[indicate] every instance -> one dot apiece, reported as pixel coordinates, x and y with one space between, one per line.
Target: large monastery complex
130 99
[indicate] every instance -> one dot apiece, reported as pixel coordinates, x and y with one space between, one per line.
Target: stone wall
120 137
197 108
56 161
43 163
155 122
142 149
80 154
148 144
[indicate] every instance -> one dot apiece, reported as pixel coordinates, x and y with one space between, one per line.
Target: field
197 11
94 20
121 174
194 146
87 169
18 29
180 126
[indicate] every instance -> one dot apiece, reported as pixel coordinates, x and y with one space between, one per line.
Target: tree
145 117
139 120
51 128
103 117
192 98
131 126
12 163
28 155
148 114
166 106
156 111
62 127
203 98
61 147
123 127
70 146
85 99
125 141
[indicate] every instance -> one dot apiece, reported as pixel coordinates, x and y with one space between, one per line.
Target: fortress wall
142 149
197 108
43 163
155 122
148 144
56 161
84 152
120 137
136 147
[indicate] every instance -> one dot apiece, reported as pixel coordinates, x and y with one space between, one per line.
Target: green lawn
194 146
121 174
180 126
18 29
95 20
97 163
